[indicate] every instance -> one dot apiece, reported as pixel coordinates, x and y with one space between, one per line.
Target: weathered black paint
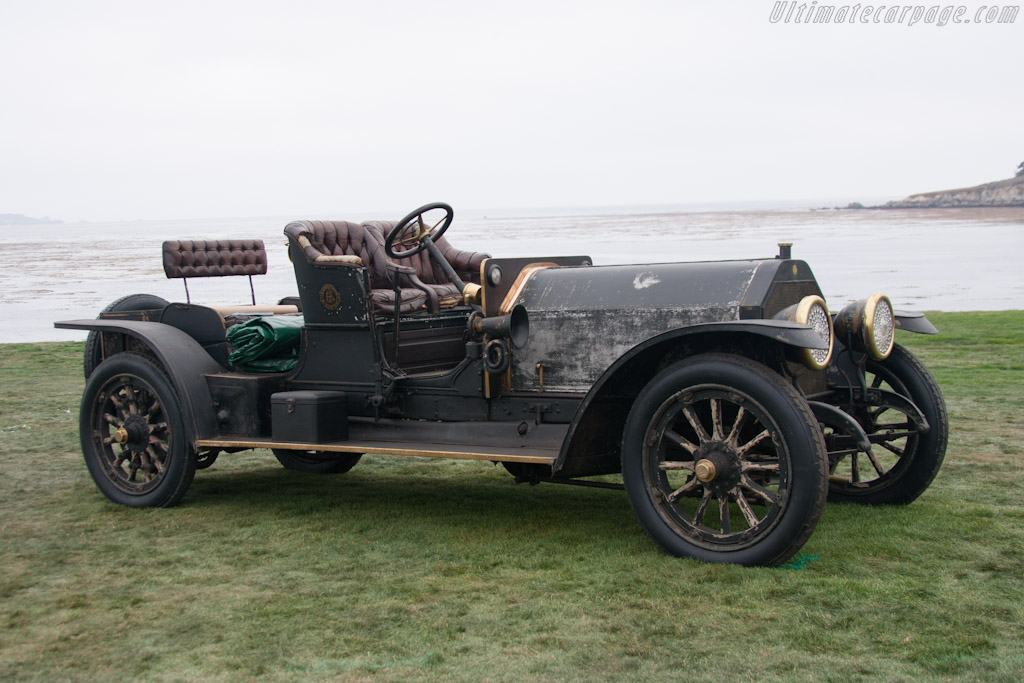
584 319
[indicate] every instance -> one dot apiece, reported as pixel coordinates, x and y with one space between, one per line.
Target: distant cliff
18 219
1000 193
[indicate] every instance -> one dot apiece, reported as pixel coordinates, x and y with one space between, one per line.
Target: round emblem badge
329 298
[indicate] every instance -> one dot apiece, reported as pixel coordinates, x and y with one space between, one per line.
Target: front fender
912 321
595 430
183 359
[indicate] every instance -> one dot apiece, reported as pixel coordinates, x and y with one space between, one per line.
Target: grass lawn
408 568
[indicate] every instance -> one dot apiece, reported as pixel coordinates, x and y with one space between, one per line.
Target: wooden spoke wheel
902 462
132 433
724 462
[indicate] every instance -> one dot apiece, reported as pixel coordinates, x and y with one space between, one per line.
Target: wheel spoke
717 429
680 441
155 461
873 459
687 488
748 513
698 514
734 433
676 465
133 466
691 417
742 450
764 494
854 469
894 449
760 467
129 394
723 515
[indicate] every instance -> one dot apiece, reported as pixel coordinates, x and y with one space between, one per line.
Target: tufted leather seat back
343 238
214 258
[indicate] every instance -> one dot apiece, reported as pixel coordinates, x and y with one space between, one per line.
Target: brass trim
705 470
870 306
802 316
483 290
473 294
519 283
372 447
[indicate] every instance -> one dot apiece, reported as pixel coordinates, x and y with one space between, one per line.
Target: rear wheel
902 462
723 461
133 435
318 462
133 302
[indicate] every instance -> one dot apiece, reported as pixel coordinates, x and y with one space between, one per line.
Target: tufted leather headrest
214 258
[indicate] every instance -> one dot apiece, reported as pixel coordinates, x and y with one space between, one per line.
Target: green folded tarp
269 344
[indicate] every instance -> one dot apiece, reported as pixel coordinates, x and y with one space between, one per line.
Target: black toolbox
309 416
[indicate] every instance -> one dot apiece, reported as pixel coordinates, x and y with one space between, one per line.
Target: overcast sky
123 110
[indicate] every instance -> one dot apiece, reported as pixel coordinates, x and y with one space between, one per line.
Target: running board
535 456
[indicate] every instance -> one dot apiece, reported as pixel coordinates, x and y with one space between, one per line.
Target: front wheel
904 462
723 461
133 435
318 462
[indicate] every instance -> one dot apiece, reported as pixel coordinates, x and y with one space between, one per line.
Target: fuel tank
584 318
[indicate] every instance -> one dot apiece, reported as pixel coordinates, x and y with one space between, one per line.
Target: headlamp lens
880 326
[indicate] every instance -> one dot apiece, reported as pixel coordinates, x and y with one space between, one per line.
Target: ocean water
924 259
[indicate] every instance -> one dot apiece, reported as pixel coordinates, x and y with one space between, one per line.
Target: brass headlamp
868 325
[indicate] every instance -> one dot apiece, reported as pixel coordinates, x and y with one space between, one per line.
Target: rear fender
184 360
593 442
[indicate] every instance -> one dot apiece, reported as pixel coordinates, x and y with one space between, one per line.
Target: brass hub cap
717 466
705 470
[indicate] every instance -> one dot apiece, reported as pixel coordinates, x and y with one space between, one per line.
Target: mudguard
781 331
183 359
912 321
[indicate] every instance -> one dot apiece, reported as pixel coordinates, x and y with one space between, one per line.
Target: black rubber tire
317 462
133 302
130 384
798 446
914 472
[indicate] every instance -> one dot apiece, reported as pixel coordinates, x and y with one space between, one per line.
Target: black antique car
730 399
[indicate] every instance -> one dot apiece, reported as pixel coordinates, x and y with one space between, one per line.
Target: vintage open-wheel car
730 399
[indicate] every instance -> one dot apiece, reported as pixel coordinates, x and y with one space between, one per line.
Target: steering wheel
434 232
